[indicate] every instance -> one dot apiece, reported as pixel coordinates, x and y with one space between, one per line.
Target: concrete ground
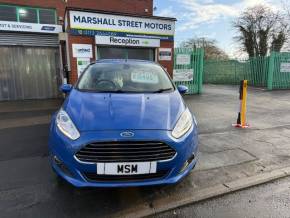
267 201
230 159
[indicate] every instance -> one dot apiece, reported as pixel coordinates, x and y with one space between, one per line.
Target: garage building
29 57
46 43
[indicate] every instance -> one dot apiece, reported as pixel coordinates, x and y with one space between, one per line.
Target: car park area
230 159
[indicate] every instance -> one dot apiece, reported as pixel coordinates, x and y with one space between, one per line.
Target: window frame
11 6
18 7
18 14
47 9
125 51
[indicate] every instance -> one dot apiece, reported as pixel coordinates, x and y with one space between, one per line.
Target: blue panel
120 34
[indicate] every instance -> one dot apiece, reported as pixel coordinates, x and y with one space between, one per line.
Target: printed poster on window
82 64
183 59
165 54
82 50
183 75
285 68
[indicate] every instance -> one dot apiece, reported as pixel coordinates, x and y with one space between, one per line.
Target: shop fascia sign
117 23
127 41
82 50
29 27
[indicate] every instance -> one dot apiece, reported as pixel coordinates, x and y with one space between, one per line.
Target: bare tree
261 30
286 6
286 13
212 51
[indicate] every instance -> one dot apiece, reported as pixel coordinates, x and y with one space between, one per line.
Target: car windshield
125 77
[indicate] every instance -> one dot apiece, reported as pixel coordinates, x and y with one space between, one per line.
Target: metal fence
233 71
279 71
189 64
272 72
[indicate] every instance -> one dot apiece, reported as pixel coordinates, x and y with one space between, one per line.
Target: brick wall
73 61
123 6
168 64
59 5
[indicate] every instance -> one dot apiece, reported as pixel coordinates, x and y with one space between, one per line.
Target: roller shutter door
29 39
29 66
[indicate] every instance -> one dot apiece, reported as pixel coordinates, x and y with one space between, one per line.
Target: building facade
46 43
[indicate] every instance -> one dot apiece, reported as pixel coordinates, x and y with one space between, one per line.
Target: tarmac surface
28 187
268 200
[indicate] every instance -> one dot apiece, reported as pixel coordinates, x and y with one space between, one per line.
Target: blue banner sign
77 32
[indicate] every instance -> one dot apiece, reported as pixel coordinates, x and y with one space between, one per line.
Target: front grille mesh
125 151
93 177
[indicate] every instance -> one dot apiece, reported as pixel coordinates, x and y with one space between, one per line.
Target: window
27 15
126 53
141 53
47 16
111 53
8 13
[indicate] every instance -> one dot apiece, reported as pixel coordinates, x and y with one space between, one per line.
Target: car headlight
183 124
66 126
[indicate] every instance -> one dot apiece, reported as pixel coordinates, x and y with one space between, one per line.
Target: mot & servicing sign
127 41
118 23
29 27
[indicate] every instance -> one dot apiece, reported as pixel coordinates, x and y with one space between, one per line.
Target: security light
22 11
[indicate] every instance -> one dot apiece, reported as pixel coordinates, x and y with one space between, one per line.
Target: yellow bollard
242 121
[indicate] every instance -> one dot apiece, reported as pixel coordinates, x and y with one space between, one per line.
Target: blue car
123 124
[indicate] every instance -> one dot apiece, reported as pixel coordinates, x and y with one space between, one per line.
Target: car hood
110 111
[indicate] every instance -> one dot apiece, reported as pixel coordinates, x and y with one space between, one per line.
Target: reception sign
127 41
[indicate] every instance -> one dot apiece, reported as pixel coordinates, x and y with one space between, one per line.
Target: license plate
126 168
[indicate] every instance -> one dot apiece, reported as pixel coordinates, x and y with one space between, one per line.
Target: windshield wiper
118 91
111 91
162 90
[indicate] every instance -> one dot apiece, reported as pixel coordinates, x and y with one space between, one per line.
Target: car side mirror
182 89
66 88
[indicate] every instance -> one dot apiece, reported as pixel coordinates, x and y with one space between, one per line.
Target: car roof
121 61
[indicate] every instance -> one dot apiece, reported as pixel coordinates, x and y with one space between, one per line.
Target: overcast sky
208 18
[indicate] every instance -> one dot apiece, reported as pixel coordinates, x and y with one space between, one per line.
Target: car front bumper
66 165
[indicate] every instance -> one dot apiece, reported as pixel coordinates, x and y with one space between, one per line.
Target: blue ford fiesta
123 124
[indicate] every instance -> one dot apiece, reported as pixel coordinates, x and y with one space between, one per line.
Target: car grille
94 177
125 151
